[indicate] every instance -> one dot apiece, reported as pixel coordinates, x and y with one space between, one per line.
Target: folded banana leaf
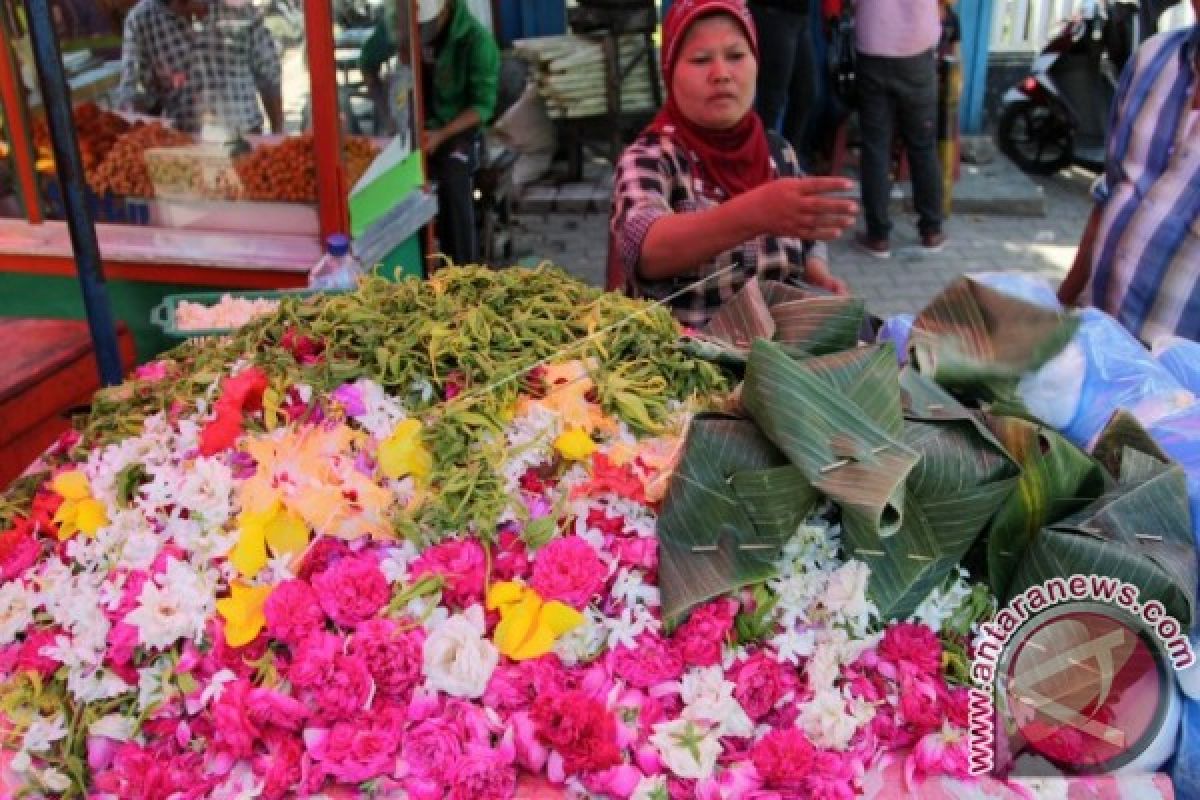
977 342
838 419
805 324
1124 432
1057 479
962 478
732 501
1139 532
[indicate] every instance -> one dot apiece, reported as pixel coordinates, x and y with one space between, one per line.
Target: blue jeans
787 76
899 93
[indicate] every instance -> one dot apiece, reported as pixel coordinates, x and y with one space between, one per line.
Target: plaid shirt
656 177
216 66
1146 256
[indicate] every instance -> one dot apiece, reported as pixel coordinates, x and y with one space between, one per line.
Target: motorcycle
1058 114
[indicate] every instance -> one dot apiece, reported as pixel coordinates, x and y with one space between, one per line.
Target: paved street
566 223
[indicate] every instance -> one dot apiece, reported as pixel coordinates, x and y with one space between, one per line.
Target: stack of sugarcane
570 74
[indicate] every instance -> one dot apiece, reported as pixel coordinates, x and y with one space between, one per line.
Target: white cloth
897 28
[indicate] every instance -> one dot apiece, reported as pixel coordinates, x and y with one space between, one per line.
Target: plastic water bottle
338 268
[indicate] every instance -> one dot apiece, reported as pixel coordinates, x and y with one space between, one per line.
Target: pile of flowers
218 605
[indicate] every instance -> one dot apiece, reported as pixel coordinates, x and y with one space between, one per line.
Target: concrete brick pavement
573 234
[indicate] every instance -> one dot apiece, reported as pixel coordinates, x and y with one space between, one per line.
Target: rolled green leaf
811 411
710 543
1057 479
978 342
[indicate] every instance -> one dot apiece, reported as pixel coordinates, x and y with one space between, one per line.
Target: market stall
191 209
499 534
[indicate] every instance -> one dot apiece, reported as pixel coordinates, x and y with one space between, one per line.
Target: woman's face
713 82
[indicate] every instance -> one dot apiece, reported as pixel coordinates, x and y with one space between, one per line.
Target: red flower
783 758
579 728
599 519
244 391
240 393
305 349
607 477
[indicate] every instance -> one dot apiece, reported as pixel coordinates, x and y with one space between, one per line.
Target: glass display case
222 141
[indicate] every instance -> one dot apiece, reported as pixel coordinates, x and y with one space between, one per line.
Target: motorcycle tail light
1029 84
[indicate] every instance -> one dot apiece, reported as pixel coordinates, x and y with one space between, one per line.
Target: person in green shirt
461 72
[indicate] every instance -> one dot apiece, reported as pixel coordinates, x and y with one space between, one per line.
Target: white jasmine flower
92 684
130 540
941 603
584 642
630 588
826 720
687 748
216 687
153 685
824 666
16 610
845 594
792 645
708 697
205 491
54 779
44 732
632 623
172 606
397 561
458 659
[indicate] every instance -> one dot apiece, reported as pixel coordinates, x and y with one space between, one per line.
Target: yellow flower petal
249 555
403 453
71 485
504 593
243 612
65 518
91 516
560 618
286 533
575 445
528 626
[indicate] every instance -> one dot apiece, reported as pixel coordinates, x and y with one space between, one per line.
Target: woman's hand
799 208
816 273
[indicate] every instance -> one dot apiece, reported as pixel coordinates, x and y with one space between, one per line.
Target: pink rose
653 662
783 758
912 647
352 590
312 660
280 767
568 569
484 774
234 734
432 749
359 749
394 657
19 550
324 552
347 691
293 612
636 551
919 705
30 658
578 728
462 563
267 707
509 688
138 773
700 638
761 682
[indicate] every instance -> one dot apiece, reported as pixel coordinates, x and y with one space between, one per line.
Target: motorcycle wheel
1035 138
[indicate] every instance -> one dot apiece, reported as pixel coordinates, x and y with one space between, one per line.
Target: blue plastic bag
1030 288
1119 373
1181 358
896 330
1179 437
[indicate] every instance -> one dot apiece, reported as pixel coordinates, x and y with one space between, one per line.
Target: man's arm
1081 268
268 73
465 121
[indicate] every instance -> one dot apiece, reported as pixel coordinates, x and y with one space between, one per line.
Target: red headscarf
737 159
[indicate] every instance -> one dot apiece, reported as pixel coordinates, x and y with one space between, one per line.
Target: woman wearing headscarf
700 203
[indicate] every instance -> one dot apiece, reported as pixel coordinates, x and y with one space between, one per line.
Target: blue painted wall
525 19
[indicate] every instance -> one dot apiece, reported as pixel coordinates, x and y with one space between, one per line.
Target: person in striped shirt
1139 257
